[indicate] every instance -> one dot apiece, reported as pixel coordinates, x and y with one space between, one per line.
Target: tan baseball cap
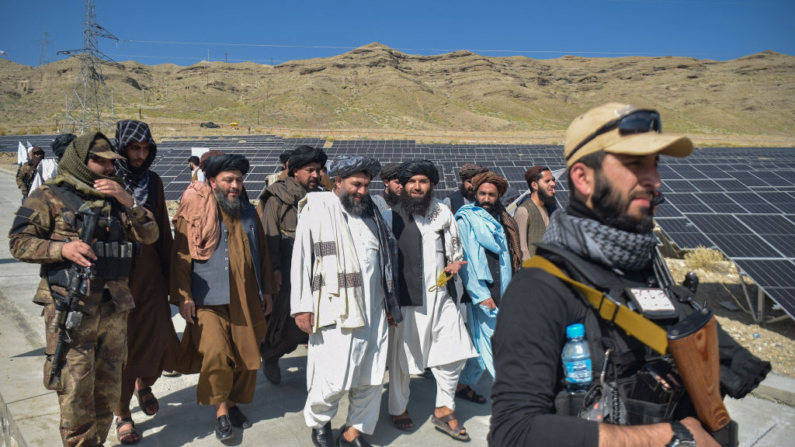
101 148
592 122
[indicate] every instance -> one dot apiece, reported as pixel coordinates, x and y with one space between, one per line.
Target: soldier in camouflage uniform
27 171
46 231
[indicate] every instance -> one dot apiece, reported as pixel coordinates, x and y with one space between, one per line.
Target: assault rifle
67 317
693 343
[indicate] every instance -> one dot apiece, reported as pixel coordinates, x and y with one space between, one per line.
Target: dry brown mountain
376 87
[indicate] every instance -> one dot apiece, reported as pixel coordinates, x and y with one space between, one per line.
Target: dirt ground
774 342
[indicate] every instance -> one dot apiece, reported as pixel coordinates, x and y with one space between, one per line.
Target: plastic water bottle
577 360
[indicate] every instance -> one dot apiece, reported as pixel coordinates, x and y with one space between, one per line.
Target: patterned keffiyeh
135 179
600 243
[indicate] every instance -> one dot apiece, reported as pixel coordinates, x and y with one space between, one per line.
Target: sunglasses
639 121
38 154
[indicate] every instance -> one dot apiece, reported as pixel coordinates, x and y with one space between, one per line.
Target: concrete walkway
30 412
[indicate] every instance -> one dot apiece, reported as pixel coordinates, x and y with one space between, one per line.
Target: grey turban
347 165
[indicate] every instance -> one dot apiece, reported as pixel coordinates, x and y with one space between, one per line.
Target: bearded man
152 342
392 188
490 242
278 212
343 295
465 193
532 216
222 281
432 334
604 242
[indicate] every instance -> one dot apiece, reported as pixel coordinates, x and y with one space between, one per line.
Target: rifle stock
694 345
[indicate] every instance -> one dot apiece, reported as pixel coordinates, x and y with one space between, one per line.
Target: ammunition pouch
114 260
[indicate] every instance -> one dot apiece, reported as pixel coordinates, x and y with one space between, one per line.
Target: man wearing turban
278 212
432 334
222 282
392 188
343 296
490 243
532 216
465 193
284 157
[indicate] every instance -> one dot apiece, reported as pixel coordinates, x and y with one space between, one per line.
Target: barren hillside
375 87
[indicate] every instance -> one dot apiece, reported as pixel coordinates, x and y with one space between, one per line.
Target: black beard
469 195
232 207
495 210
547 199
351 205
412 206
391 198
612 209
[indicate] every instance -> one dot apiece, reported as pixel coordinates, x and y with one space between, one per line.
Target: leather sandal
403 422
467 393
120 434
144 404
443 425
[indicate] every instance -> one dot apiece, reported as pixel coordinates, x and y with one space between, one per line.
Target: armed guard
599 266
80 227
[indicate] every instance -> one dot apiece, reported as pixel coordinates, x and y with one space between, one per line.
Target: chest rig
634 382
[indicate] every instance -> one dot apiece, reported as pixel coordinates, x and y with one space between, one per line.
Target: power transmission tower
91 95
44 55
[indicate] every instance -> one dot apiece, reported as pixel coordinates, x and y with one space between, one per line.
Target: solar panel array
738 200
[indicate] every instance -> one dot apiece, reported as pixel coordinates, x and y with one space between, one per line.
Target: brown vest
535 226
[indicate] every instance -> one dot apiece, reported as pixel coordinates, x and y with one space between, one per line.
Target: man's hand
390 319
454 267
78 252
277 276
267 304
703 439
489 303
305 321
188 311
115 190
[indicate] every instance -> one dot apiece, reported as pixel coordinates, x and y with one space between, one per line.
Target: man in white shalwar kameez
344 297
432 334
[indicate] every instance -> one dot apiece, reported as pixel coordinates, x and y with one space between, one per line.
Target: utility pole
226 58
90 91
44 54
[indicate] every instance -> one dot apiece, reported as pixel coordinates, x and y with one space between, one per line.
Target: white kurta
433 334
341 359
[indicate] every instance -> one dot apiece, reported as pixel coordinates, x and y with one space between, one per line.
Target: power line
339 47
194 58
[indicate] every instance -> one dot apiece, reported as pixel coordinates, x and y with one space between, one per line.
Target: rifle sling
610 310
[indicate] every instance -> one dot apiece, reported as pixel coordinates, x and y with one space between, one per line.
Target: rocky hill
376 87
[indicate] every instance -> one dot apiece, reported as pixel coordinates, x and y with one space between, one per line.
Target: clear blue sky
704 29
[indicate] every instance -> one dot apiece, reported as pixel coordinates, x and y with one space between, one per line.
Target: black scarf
580 231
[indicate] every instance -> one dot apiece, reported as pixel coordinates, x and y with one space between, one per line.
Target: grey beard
413 206
351 205
232 207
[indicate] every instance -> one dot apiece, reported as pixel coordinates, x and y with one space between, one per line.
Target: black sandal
148 402
469 394
403 422
124 433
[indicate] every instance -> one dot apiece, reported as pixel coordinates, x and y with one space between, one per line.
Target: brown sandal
443 425
121 434
145 404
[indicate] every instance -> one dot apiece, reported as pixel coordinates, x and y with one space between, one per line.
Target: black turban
228 162
417 167
303 155
60 143
347 165
390 171
284 156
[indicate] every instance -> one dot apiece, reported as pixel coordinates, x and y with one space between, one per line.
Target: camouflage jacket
25 175
43 224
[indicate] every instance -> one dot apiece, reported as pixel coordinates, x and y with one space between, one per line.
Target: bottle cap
575 330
